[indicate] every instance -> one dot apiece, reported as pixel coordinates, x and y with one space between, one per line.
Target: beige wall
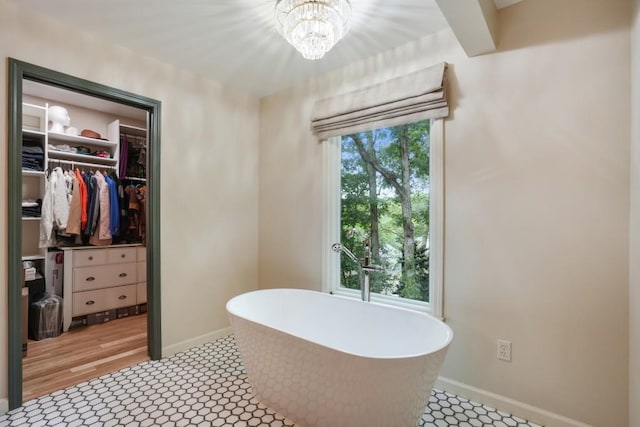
537 201
209 187
634 249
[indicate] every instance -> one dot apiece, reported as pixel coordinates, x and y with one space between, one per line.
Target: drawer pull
90 258
122 297
123 256
90 279
90 302
123 274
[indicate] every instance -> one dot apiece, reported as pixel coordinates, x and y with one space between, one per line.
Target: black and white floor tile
205 386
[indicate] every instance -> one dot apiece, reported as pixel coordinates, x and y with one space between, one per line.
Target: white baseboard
4 406
506 404
172 349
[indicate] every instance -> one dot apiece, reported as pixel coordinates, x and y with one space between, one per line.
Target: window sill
422 307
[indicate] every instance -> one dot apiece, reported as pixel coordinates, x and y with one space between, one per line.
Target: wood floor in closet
82 354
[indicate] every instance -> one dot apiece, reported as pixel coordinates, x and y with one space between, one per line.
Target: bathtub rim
448 330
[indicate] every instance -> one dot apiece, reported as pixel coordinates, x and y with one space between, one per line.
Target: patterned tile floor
205 386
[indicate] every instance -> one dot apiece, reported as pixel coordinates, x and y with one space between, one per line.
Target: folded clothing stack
79 150
32 155
31 208
63 147
30 274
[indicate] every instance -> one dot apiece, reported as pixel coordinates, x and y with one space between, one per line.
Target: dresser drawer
103 299
141 293
116 255
84 258
142 272
121 296
142 253
88 278
88 302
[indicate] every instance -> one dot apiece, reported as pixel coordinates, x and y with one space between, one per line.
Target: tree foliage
385 194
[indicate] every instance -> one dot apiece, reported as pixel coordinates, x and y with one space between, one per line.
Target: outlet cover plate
504 350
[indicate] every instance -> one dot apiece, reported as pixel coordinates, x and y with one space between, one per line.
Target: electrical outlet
504 350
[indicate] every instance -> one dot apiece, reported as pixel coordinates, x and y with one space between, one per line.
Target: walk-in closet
83 238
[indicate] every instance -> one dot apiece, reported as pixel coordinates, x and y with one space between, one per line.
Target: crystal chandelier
313 27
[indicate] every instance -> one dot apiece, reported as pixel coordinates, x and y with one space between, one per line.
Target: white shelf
33 107
33 132
63 155
81 140
79 248
34 117
31 218
32 173
133 130
32 257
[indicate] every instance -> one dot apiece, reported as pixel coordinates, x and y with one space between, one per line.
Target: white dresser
100 279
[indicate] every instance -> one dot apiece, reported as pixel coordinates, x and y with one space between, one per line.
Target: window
386 185
363 174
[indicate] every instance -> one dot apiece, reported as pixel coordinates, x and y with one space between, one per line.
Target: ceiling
234 41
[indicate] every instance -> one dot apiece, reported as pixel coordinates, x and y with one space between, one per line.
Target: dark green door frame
18 71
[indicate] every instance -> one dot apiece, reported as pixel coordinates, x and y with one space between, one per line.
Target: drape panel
417 96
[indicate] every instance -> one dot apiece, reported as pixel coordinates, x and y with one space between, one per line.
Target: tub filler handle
365 268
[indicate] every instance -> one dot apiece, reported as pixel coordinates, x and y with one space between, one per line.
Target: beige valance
417 96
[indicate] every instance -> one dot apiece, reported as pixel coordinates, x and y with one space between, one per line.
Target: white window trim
331 152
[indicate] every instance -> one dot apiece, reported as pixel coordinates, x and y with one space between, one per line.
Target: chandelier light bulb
313 27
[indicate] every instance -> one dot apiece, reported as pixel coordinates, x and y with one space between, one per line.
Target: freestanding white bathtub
324 360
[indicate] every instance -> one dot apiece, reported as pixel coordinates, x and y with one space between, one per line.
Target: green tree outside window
385 194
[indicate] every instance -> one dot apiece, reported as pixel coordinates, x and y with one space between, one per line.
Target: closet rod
90 165
135 128
133 178
137 138
133 135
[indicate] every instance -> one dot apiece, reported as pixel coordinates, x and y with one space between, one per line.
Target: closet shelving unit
130 258
34 120
57 139
82 141
35 128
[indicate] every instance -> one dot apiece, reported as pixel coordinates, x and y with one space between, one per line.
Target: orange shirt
84 199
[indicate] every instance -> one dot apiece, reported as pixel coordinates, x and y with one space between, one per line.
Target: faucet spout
365 268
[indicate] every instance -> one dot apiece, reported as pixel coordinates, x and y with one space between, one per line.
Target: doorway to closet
84 267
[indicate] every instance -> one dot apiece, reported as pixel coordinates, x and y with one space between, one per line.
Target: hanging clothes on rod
102 234
74 223
136 196
133 156
114 211
80 207
92 196
55 207
124 154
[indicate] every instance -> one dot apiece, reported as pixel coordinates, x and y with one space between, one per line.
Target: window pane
385 195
